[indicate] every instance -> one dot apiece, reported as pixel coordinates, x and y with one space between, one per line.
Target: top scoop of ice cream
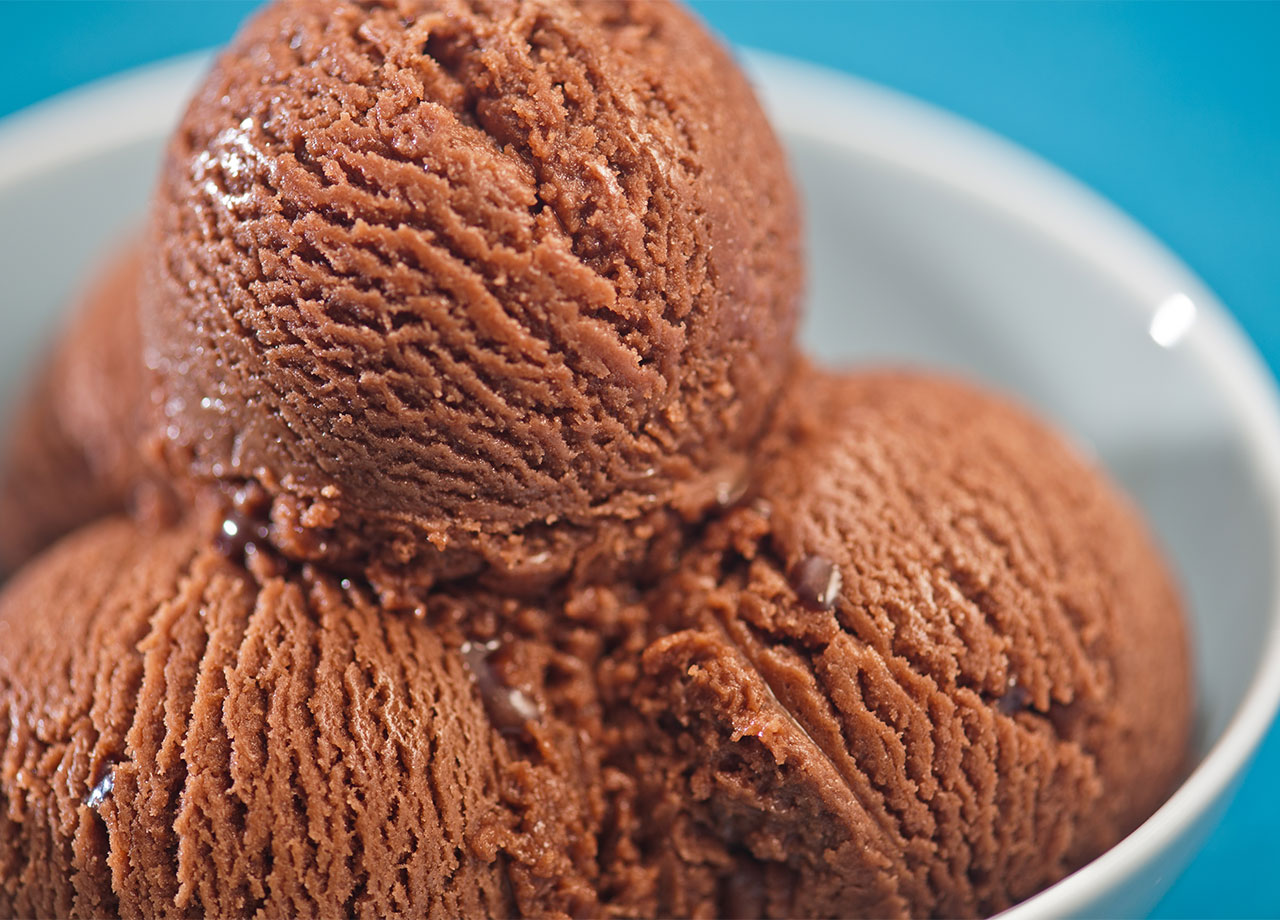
933 665
479 286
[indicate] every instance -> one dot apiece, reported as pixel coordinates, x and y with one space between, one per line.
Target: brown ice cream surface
934 664
71 454
526 571
179 739
472 287
930 664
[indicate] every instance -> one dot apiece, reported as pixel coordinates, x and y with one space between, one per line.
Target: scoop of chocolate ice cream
933 665
472 287
178 738
71 454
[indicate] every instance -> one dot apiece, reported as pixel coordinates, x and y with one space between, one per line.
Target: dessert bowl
932 244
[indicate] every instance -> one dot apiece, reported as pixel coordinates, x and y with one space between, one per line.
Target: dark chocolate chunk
240 535
98 794
1014 700
817 582
510 709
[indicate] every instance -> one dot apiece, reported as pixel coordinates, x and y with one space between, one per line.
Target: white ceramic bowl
932 243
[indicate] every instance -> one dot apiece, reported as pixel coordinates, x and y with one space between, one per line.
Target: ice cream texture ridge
430 513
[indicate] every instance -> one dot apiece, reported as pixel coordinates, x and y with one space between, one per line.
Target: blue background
1172 110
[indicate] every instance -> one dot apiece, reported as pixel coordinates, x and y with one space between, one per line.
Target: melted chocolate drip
510 709
816 581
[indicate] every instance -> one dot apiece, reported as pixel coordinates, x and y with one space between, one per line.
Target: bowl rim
819 104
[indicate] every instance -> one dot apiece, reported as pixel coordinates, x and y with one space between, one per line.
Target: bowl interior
909 266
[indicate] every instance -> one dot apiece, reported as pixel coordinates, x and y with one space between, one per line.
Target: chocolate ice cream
179 737
524 569
72 454
929 665
472 287
935 664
